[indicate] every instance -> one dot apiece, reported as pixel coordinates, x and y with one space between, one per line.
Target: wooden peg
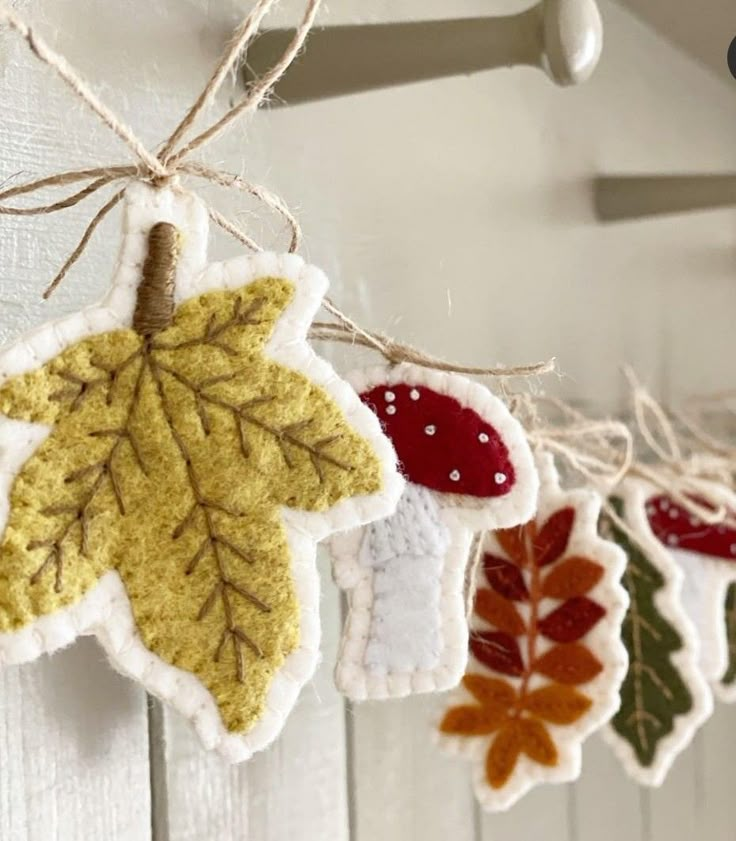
562 37
620 197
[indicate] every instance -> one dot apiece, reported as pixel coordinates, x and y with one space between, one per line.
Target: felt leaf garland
468 467
664 698
172 450
547 659
707 556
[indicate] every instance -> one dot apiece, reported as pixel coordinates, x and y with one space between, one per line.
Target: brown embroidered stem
154 307
641 715
213 332
213 542
213 336
101 469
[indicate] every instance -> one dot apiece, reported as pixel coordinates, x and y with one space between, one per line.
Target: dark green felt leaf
729 678
653 693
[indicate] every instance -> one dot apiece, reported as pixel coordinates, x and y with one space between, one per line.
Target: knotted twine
693 470
172 162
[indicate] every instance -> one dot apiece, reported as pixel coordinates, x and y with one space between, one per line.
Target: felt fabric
441 444
727 689
677 528
706 555
197 467
664 698
547 660
469 467
405 551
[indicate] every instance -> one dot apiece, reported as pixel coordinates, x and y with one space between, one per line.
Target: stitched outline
462 515
603 690
105 611
668 599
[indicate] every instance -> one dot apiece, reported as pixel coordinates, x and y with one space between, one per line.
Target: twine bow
173 161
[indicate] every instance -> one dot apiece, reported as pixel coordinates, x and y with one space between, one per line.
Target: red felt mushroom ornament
468 468
707 555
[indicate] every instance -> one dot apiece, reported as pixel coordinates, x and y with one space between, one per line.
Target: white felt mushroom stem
406 632
704 597
406 552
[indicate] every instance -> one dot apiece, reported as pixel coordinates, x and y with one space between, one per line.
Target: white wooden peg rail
564 38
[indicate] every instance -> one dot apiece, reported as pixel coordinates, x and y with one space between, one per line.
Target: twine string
238 43
168 164
712 444
260 89
348 332
172 161
600 451
696 480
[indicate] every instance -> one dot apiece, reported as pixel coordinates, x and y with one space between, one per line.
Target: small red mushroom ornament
707 555
468 467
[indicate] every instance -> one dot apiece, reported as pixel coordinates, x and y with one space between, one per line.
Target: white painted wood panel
74 751
606 804
716 801
297 786
545 813
403 787
456 215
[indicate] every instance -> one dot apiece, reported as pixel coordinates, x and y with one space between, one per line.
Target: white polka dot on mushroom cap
389 396
673 540
455 475
732 548
674 514
483 438
414 394
430 429
499 478
391 410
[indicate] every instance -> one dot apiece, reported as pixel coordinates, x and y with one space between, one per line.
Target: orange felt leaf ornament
536 742
500 612
538 681
573 577
472 721
569 663
512 543
503 754
557 704
490 691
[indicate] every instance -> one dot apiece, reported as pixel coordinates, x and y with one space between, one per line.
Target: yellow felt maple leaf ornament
190 457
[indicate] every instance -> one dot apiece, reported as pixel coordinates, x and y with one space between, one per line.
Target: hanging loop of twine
170 162
698 481
173 162
600 451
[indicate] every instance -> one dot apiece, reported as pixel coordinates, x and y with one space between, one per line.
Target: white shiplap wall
458 216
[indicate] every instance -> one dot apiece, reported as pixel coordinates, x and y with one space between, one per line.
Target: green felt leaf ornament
729 678
664 697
